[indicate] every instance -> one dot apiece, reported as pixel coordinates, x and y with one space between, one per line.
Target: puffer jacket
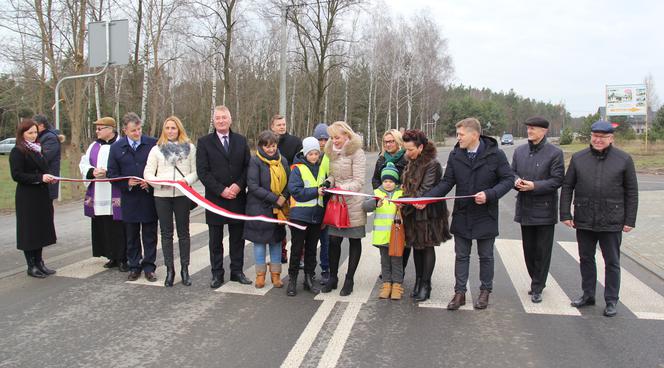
310 215
159 167
348 171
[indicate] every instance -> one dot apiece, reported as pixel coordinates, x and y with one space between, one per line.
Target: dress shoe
347 289
150 276
583 301
291 290
330 285
310 284
610 310
324 277
170 276
483 300
123 267
425 291
184 274
241 278
42 267
133 275
457 301
217 281
416 288
111 264
36 272
536 297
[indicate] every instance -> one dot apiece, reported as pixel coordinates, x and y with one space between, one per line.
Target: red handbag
336 213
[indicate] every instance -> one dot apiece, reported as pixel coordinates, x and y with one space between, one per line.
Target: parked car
507 139
7 145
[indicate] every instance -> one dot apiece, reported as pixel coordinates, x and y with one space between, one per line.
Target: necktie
471 155
225 142
134 145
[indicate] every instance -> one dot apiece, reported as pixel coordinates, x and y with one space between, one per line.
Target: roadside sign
118 43
626 99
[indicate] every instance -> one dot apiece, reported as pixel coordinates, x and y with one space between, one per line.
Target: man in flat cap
539 169
603 182
102 199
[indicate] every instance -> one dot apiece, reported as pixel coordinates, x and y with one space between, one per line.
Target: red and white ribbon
418 200
193 195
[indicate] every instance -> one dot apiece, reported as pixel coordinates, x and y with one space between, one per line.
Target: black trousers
306 240
145 260
537 244
235 247
166 208
609 243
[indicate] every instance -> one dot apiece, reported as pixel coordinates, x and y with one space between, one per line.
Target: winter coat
427 227
348 171
137 203
158 167
380 165
52 149
489 172
309 215
543 164
289 146
606 193
218 169
34 208
261 201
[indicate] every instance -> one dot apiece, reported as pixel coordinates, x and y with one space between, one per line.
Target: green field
651 162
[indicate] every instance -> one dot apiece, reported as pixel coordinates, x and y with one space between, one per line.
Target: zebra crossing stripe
336 344
442 280
554 299
638 297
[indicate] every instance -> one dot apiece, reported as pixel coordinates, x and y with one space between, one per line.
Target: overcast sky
551 50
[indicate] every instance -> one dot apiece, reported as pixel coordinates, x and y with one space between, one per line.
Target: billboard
626 99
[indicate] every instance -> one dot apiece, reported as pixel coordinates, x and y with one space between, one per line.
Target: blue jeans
324 245
260 250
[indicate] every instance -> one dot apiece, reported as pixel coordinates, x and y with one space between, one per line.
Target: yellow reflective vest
309 182
384 217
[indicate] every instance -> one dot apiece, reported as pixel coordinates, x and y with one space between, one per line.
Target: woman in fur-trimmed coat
428 227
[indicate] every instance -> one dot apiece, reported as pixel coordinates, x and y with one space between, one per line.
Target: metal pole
284 46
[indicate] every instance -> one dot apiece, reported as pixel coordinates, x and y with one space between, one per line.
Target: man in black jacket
50 142
539 167
603 181
222 158
476 167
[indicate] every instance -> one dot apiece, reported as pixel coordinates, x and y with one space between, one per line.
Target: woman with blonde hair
173 158
347 171
393 152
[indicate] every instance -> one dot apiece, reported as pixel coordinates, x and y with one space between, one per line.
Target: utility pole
283 61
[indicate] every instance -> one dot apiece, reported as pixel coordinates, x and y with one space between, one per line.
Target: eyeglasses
100 128
603 137
388 142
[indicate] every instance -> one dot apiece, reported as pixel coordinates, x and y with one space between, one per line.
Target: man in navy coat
127 157
222 158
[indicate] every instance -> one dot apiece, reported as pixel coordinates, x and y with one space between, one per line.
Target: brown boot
385 290
457 301
483 300
275 272
260 276
397 291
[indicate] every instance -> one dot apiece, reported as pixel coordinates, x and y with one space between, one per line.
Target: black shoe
291 290
150 276
425 291
330 285
217 281
241 278
610 310
36 272
324 277
416 288
536 297
170 276
309 284
42 267
123 267
583 301
111 264
133 275
347 289
184 273
530 292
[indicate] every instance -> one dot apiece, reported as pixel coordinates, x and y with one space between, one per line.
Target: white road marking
443 280
250 273
336 344
554 299
641 299
306 339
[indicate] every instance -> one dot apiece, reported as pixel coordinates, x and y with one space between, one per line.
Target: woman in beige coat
347 171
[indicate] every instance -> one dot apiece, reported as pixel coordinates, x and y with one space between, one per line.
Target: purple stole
89 202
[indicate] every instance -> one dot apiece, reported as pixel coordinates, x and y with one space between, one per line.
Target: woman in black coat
34 207
267 179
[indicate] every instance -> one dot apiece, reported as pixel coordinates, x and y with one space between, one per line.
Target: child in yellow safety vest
384 213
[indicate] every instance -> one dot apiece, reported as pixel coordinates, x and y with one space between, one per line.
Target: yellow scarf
278 181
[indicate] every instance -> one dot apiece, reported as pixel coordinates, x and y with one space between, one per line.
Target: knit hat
390 172
309 144
320 131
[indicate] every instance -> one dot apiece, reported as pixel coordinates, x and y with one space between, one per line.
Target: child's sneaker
397 291
385 290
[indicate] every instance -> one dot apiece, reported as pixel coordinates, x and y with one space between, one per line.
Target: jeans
166 208
462 248
260 253
324 246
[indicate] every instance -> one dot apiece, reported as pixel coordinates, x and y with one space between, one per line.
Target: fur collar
349 149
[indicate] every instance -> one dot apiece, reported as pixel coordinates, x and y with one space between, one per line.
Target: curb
643 262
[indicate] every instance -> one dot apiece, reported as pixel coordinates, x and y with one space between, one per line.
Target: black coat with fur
428 227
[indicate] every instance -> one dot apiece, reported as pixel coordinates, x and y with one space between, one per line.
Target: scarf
34 147
175 152
278 180
393 158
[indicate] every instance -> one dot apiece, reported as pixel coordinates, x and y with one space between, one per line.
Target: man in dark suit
222 158
127 157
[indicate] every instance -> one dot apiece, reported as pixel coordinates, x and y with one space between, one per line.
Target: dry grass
651 161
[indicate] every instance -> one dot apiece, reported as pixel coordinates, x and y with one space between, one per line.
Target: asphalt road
87 316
